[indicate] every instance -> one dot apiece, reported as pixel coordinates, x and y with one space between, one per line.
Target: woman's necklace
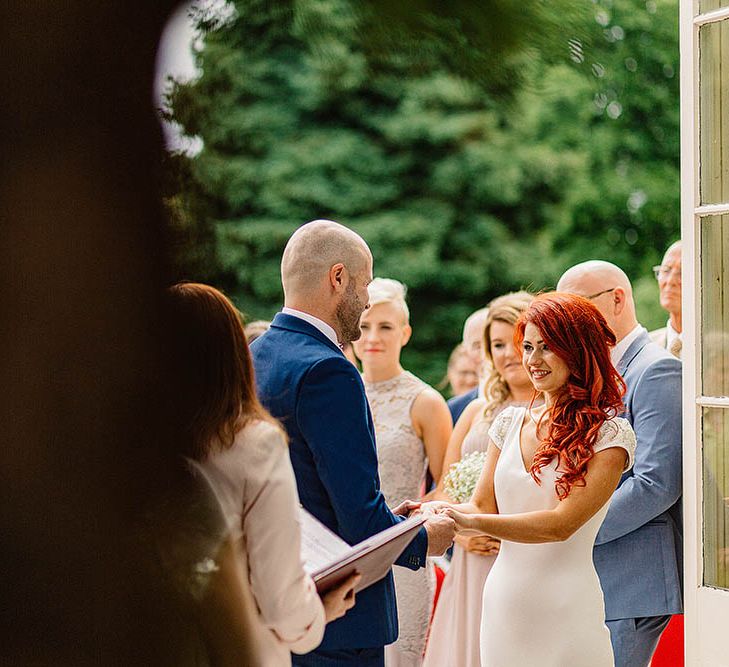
538 418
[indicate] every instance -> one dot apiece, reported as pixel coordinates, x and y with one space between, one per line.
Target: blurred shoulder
260 438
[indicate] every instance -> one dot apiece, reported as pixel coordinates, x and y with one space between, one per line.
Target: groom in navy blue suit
305 381
638 551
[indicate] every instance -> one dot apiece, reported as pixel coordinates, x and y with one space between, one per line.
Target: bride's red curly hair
573 329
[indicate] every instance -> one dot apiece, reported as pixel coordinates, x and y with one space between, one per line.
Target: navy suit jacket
457 404
638 552
306 382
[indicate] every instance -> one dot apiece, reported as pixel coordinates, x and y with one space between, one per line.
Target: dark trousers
356 657
635 639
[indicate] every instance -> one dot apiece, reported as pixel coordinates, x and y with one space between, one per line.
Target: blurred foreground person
198 570
306 382
412 427
242 451
668 275
456 628
545 489
639 548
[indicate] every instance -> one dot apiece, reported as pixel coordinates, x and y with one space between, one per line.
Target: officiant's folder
329 559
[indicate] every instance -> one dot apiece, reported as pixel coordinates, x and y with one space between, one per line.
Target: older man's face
669 281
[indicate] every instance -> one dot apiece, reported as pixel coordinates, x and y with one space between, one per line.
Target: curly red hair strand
573 328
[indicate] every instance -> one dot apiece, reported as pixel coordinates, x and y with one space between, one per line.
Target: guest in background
639 548
243 453
462 373
668 275
454 635
473 344
412 427
255 329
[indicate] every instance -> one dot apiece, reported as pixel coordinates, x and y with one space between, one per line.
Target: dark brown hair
216 395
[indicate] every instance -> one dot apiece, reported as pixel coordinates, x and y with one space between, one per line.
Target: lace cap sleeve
617 432
500 426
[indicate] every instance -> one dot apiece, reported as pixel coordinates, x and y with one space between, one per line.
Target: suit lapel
296 324
632 352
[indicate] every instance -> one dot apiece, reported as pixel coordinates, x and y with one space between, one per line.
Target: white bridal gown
542 603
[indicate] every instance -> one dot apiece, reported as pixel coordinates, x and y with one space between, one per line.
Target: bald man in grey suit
638 551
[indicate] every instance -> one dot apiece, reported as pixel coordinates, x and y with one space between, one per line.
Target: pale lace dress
402 466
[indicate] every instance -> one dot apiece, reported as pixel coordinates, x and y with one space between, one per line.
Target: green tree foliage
469 173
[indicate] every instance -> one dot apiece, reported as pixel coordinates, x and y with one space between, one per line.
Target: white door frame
706 609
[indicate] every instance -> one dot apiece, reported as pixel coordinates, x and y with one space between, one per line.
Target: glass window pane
716 496
715 305
714 112
708 5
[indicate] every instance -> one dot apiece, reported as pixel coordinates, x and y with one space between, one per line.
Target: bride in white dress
545 489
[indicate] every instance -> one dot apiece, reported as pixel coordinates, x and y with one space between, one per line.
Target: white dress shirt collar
327 330
671 335
616 354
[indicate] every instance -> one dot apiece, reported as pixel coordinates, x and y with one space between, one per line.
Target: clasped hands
455 522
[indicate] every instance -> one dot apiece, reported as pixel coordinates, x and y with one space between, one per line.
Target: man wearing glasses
638 549
668 275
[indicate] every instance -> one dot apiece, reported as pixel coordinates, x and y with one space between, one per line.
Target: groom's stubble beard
348 312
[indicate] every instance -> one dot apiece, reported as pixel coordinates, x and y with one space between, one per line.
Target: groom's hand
405 507
441 531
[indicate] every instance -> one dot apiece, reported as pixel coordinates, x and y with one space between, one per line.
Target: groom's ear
338 277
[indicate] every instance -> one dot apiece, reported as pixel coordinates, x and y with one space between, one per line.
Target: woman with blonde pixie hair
412 427
454 635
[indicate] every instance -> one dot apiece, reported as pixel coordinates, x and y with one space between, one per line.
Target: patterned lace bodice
401 453
477 438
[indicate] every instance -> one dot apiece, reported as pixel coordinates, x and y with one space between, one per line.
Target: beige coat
256 488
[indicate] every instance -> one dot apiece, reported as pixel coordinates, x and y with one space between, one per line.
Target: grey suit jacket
638 551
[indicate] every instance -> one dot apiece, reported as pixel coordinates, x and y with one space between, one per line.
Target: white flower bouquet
462 476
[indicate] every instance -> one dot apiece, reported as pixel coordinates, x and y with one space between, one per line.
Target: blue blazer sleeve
654 484
345 454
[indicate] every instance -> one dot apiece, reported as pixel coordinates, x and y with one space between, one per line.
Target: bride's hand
463 521
432 507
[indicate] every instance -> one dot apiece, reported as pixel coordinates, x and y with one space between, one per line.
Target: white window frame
706 609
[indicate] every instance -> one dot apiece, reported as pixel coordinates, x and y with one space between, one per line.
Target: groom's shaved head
314 248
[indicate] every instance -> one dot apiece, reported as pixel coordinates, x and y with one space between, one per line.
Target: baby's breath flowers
462 476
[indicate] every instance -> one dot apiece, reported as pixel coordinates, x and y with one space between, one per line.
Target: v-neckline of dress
519 450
